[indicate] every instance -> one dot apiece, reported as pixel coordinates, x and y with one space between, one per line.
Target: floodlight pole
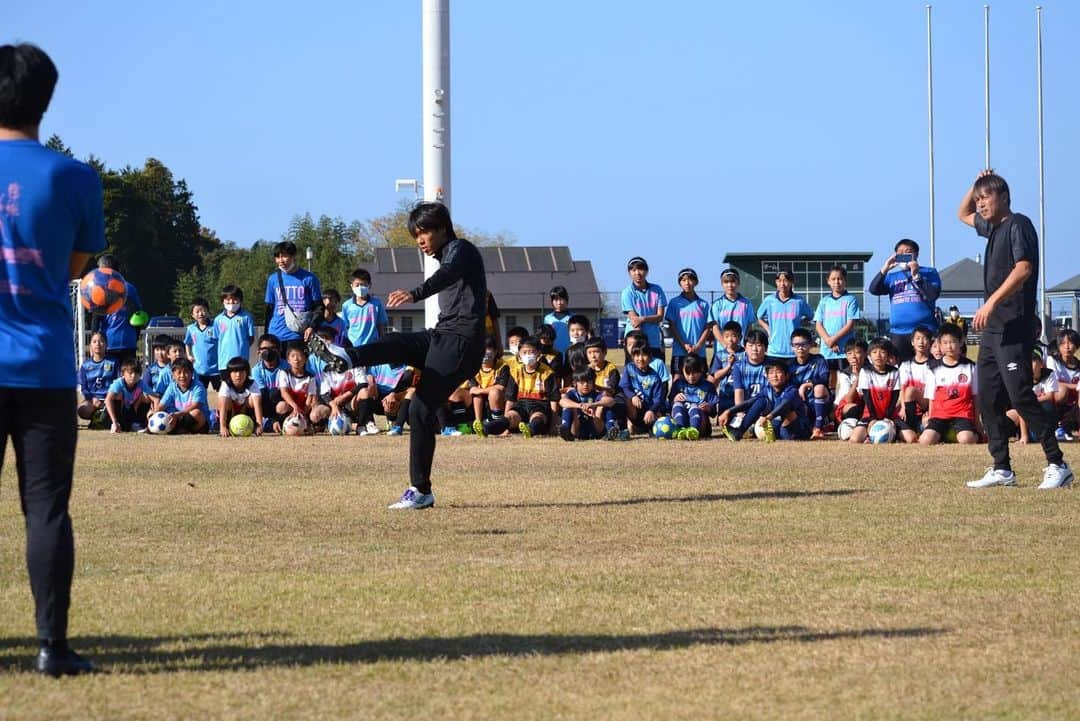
436 120
986 77
930 126
1044 311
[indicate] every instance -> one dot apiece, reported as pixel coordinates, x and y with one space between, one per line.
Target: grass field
553 580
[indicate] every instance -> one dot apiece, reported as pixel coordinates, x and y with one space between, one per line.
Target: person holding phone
913 291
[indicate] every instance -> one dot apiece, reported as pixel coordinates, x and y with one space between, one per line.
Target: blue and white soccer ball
883 431
843 431
160 422
663 428
337 425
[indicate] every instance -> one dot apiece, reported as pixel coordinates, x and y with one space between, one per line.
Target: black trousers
1004 379
444 361
42 430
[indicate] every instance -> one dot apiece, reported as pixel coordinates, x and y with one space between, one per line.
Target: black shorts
836 364
941 426
210 381
527 407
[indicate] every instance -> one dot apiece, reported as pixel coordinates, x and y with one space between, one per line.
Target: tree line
152 226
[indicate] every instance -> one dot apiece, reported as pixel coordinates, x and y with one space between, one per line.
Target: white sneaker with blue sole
1055 476
994 477
413 500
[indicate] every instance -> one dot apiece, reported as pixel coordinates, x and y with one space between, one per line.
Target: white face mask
513 348
232 307
529 359
577 338
360 291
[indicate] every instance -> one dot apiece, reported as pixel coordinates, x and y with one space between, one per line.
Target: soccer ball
102 291
663 428
759 429
843 431
951 435
241 425
337 425
160 422
294 426
883 431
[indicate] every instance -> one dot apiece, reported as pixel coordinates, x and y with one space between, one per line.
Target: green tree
392 231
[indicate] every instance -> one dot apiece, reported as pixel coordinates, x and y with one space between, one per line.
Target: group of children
764 378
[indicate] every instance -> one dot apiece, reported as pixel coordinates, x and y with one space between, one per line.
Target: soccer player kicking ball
446 355
51 222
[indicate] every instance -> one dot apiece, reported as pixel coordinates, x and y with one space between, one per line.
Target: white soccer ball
759 429
337 425
843 431
160 422
294 426
883 431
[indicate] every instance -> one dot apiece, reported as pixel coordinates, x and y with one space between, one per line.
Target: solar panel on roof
408 260
540 258
563 261
492 261
514 259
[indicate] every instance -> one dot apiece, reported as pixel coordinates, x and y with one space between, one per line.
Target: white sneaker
414 500
1056 476
994 477
371 429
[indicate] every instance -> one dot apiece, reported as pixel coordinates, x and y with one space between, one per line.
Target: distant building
520 278
757 271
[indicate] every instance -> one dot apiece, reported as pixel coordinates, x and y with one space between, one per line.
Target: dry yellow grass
264 578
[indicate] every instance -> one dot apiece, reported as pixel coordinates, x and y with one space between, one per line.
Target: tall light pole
436 120
986 78
1044 312
930 126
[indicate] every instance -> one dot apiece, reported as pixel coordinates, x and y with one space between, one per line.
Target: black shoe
318 348
565 433
56 662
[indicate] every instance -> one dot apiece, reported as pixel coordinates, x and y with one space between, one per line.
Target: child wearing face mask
364 314
514 336
235 327
265 374
532 395
201 341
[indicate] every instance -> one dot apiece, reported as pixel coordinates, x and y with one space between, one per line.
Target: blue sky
616 128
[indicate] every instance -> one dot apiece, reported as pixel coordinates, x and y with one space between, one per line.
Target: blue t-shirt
750 377
152 374
815 370
175 400
788 396
163 380
719 361
50 207
203 343
741 310
833 313
341 331
783 316
235 335
95 377
129 396
266 377
908 309
647 301
649 385
363 321
302 291
119 332
696 393
387 376
561 324
691 315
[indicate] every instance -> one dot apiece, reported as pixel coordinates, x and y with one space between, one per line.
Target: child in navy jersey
583 417
95 376
810 374
645 388
693 400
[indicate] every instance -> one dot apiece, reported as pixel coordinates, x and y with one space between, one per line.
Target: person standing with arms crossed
445 355
1009 322
51 223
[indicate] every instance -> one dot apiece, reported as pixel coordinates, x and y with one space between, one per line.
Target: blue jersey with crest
96 376
650 385
815 370
696 393
748 376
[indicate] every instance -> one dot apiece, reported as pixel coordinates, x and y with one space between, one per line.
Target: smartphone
903 257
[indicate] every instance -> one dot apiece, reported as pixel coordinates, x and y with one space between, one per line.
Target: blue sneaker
1062 435
394 431
450 431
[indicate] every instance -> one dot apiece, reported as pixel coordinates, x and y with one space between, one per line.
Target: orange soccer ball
102 291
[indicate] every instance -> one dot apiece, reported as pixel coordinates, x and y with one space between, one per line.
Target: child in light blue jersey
693 401
731 306
201 341
174 351
644 384
235 327
265 374
95 376
810 374
330 316
185 400
128 399
559 317
364 314
728 352
159 363
644 305
688 322
781 313
835 318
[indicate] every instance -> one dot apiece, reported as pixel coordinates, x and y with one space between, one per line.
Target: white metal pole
1044 312
436 120
930 120
986 77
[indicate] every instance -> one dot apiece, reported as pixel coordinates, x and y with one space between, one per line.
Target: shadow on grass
697 498
148 655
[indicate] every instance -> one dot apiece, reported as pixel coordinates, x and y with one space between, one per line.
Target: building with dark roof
520 278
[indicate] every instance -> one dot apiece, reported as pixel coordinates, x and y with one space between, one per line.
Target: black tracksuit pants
1005 382
41 425
445 361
